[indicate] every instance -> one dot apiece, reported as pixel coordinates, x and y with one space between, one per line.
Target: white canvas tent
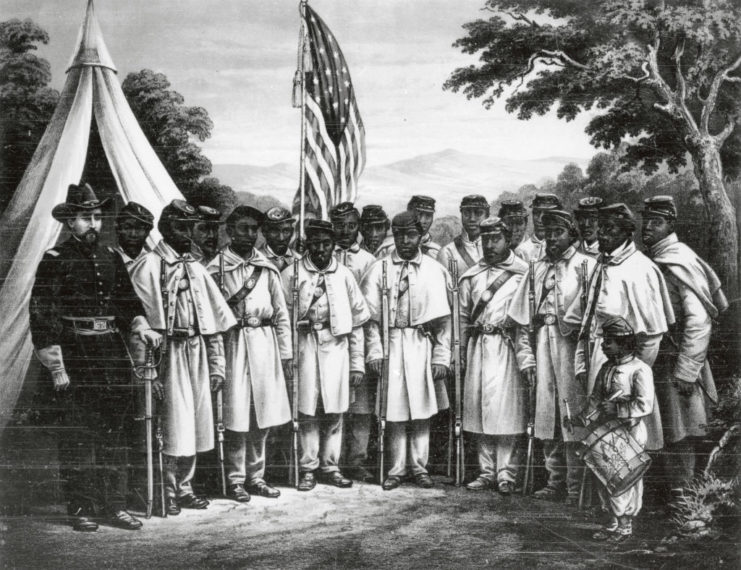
27 229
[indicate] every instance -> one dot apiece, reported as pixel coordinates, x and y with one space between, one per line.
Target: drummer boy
624 389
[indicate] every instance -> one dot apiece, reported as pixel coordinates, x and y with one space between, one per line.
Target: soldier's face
320 246
278 236
86 225
517 226
373 234
425 219
611 235
243 233
346 229
407 242
557 240
132 234
180 235
206 235
495 247
654 229
588 227
471 218
612 348
538 222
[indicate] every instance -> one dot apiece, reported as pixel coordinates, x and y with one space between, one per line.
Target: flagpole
302 154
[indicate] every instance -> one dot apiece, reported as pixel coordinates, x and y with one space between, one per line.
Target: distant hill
447 176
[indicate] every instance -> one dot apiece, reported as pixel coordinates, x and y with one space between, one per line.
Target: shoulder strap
247 288
458 243
488 295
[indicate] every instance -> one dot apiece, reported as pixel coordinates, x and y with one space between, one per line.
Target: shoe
307 482
337 479
619 536
548 494
171 506
237 493
572 501
262 489
506 487
391 483
360 473
190 501
84 524
424 480
480 484
124 520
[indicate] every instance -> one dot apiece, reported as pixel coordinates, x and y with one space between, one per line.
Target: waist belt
544 320
91 326
488 329
305 326
251 322
182 333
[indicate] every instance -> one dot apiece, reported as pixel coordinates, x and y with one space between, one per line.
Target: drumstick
568 415
611 398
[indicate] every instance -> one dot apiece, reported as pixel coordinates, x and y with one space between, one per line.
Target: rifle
220 436
160 438
147 373
457 416
383 380
584 300
293 464
528 480
159 434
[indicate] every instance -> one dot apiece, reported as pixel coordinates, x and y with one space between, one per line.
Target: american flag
334 142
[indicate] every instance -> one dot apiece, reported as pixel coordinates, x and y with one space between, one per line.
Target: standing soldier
257 353
206 234
183 302
424 208
550 364
82 306
419 341
345 220
534 246
625 282
587 219
466 248
514 215
133 224
331 316
374 225
278 233
493 398
682 376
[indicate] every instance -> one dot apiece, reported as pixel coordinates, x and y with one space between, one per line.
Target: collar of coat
565 256
620 254
233 260
171 257
416 260
513 264
311 268
590 247
270 254
354 248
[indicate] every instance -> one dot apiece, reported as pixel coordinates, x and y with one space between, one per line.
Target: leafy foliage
26 101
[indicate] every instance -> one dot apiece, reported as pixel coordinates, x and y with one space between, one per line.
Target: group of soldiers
360 323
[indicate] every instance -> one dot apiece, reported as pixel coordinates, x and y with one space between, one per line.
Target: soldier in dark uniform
374 226
82 306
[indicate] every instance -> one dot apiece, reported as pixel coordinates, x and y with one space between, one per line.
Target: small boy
622 372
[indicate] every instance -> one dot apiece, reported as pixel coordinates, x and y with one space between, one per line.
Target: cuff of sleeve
686 369
51 357
442 361
139 324
372 355
623 410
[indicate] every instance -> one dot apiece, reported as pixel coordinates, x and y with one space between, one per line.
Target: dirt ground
362 527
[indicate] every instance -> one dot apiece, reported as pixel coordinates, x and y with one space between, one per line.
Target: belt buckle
402 324
487 329
253 322
317 326
99 325
549 319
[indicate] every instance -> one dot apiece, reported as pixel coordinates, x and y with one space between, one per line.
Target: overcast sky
236 58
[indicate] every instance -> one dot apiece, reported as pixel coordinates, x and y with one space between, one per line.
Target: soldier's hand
356 379
685 389
568 424
61 380
217 382
608 408
288 369
151 337
376 367
581 378
439 372
529 377
158 390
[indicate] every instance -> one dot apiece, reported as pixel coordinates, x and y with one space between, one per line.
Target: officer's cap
343 209
137 212
373 213
545 202
422 203
616 326
512 209
406 221
79 198
589 206
474 201
660 206
277 215
560 218
243 211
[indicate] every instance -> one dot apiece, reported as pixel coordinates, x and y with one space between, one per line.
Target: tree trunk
723 230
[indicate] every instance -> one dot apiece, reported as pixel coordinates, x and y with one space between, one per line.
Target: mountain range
447 176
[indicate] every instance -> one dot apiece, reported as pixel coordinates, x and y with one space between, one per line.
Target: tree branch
709 102
646 75
721 137
517 16
682 85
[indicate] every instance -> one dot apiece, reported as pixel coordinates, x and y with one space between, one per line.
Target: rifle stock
457 419
159 433
293 468
383 380
528 479
584 300
220 436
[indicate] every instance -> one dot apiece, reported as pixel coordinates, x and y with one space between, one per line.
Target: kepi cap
373 213
494 226
277 215
312 226
512 209
179 210
244 211
474 201
406 221
660 206
137 212
616 326
208 214
423 203
589 206
343 209
560 218
545 202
